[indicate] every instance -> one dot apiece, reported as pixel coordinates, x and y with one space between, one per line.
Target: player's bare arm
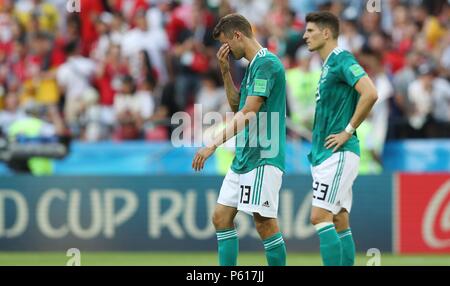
237 124
368 97
230 88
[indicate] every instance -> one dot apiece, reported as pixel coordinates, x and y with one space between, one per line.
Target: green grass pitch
199 259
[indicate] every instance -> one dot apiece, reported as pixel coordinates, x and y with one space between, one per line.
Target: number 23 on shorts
320 190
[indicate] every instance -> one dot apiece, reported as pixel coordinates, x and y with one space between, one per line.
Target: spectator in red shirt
128 8
108 75
88 15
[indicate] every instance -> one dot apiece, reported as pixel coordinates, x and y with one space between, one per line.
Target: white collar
256 55
328 57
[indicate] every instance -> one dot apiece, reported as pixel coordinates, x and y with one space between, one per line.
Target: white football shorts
254 192
333 180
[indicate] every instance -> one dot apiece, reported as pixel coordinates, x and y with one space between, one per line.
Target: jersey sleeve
263 80
351 70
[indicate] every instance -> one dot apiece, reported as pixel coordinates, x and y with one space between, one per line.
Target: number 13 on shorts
245 194
254 192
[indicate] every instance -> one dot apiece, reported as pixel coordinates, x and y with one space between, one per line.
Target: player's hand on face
337 140
201 156
222 56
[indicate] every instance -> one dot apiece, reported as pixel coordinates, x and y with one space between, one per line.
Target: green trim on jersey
264 77
336 100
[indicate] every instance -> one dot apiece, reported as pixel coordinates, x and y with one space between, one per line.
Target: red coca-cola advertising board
422 213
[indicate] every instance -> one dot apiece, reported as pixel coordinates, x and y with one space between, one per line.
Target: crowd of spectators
118 69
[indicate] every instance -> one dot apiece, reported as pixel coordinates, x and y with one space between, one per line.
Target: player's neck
252 48
327 50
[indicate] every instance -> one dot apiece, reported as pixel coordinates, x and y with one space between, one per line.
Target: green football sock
228 247
330 245
275 250
348 247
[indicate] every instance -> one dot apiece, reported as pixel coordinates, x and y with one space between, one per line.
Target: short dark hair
71 47
231 22
325 20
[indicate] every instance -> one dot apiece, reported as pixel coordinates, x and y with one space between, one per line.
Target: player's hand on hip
222 56
201 156
337 140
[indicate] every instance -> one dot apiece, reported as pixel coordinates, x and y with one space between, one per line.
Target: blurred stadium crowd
119 69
